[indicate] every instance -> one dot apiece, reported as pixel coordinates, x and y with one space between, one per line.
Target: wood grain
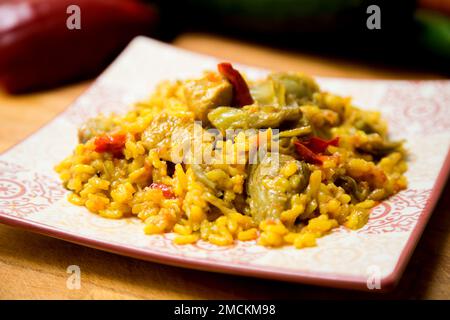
34 267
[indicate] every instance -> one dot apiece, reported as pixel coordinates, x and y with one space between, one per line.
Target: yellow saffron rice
287 198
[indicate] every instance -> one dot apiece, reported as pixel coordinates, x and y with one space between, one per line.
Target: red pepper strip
38 50
306 154
319 145
241 93
110 143
166 190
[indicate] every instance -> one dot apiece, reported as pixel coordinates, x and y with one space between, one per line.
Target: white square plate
31 195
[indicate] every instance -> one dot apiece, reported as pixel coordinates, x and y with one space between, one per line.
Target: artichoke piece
298 87
287 145
268 92
350 186
367 127
284 88
255 117
269 194
378 144
199 172
379 147
303 174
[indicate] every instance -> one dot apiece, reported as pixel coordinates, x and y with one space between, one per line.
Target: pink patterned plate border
32 198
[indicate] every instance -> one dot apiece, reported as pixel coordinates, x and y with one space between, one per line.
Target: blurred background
38 51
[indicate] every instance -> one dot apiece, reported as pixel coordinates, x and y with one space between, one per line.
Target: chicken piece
175 138
206 93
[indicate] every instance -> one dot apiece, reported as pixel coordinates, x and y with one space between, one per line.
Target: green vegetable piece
266 198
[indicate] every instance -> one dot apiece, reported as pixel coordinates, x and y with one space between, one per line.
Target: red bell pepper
306 154
110 143
319 145
241 92
38 50
310 150
166 190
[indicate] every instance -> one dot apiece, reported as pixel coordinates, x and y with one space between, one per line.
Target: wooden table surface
34 266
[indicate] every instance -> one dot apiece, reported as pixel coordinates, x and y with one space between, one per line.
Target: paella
222 158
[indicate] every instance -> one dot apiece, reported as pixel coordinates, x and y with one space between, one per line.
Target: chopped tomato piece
166 190
241 92
110 143
319 145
